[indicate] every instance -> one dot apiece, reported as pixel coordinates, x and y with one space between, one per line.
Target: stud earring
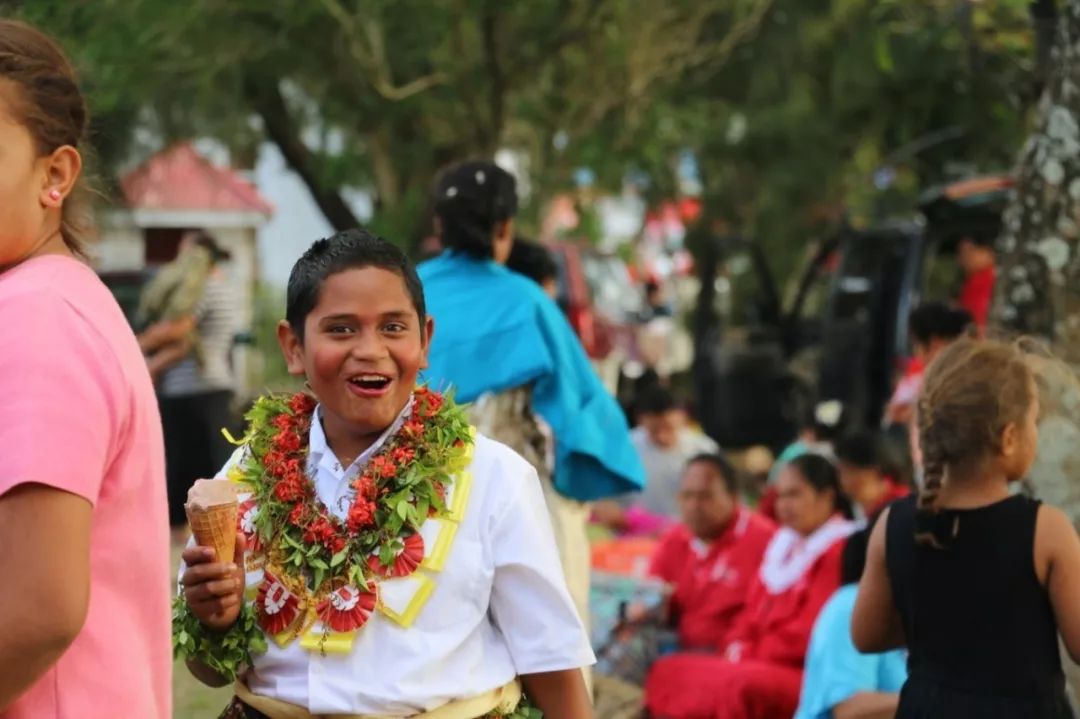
55 195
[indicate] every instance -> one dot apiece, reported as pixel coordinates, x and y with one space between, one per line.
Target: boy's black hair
728 474
532 260
346 250
936 320
657 400
470 200
860 449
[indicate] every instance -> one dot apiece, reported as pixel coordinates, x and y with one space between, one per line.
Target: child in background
665 442
931 327
975 580
864 474
823 426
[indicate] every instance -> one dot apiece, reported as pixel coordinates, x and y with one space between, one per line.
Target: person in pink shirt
84 594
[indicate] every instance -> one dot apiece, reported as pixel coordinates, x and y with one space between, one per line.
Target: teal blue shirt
495 331
835 670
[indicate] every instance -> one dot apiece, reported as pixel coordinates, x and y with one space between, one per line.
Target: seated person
839 682
864 475
822 426
708 563
756 671
711 558
665 441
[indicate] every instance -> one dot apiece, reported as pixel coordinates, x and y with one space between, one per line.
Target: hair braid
971 393
934 462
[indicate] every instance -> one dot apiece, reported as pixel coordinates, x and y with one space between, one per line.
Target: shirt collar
735 529
319 449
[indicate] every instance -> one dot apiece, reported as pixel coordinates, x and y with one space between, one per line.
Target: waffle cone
215 527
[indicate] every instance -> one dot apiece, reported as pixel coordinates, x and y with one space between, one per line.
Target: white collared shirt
331 479
500 605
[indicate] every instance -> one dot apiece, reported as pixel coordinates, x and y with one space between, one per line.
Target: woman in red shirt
756 670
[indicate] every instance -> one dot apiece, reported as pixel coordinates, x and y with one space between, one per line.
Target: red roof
179 178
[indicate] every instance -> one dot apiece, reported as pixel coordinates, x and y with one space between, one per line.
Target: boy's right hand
214 590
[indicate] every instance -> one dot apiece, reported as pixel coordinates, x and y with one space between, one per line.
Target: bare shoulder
1053 521
876 547
1054 535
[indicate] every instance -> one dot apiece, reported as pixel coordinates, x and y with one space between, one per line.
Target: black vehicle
843 335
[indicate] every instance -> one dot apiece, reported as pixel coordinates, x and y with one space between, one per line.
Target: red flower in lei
383 467
428 405
287 441
361 515
302 404
414 429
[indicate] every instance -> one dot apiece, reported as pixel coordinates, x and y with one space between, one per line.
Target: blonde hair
972 391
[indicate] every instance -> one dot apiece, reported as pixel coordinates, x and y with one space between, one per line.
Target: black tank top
978 622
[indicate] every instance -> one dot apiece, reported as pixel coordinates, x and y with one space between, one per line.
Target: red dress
757 672
711 581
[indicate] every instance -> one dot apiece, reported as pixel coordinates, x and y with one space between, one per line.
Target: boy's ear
426 333
292 349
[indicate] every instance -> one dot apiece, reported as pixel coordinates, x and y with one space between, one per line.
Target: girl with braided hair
974 579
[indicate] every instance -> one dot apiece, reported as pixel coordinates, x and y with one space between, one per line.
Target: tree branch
373 57
268 101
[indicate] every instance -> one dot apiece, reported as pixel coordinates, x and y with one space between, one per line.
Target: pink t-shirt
78 413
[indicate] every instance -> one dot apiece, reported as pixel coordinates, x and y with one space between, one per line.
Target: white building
174 191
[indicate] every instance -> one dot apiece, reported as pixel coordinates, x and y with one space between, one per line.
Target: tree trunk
1039 277
1039 270
268 101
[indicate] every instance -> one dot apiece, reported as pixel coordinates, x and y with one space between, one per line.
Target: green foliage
790 107
226 653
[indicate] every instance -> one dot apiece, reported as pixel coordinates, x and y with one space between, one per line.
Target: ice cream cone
215 527
212 512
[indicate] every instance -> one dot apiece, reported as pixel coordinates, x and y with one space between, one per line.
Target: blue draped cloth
495 330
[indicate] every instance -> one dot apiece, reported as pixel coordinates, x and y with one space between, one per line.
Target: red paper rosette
276 606
347 608
245 522
406 560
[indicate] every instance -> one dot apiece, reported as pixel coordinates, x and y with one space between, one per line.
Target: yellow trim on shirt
462 488
423 594
436 560
332 643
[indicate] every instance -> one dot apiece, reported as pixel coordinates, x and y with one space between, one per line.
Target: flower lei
319 567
